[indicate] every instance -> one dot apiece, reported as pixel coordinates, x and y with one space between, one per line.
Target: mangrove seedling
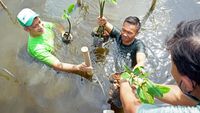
146 90
67 37
100 30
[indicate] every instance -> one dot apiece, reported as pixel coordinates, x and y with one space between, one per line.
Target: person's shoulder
138 41
116 29
48 24
115 32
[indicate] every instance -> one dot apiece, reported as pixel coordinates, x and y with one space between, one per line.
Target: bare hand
102 21
83 67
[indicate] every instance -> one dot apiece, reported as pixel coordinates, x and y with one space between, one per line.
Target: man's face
185 84
175 73
128 33
37 28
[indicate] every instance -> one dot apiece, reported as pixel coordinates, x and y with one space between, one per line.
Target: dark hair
134 21
184 47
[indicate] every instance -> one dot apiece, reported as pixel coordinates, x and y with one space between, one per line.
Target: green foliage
113 1
67 12
146 90
70 8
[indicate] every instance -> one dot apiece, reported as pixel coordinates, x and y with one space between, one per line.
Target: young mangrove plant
100 30
66 15
146 90
100 36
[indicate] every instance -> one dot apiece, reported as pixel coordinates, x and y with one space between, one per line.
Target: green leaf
152 89
131 80
113 1
137 71
70 8
127 69
144 75
125 75
162 89
144 96
140 94
149 98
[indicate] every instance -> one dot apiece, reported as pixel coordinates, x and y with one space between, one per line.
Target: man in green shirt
184 47
41 41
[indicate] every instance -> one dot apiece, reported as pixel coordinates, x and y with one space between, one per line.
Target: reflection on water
40 89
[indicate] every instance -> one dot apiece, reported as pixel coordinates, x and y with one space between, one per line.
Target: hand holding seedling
102 21
146 90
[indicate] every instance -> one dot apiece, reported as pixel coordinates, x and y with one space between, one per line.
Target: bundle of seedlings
146 90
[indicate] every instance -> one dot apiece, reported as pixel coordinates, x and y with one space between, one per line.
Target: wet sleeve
147 108
141 47
115 33
43 55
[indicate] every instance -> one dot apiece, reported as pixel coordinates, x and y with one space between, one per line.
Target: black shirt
132 49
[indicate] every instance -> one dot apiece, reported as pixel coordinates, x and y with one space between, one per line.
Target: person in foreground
184 97
126 38
41 41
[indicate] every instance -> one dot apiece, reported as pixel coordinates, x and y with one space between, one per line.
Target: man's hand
83 67
102 21
129 100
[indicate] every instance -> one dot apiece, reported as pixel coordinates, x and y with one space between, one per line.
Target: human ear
187 83
137 33
27 29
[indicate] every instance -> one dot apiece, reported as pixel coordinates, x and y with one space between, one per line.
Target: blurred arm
67 67
140 59
176 97
128 98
